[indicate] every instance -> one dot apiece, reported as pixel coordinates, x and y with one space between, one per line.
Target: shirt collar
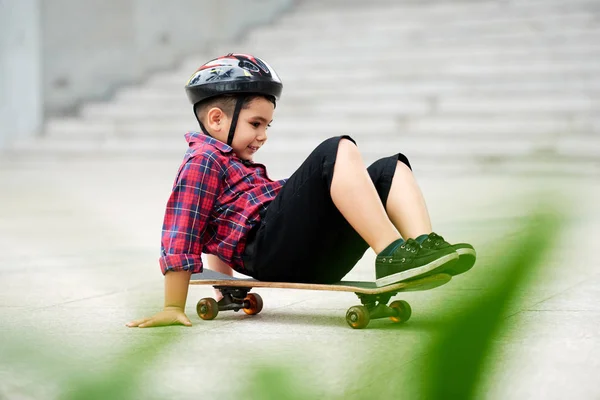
199 137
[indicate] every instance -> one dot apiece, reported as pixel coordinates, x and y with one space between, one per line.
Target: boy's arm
188 210
176 288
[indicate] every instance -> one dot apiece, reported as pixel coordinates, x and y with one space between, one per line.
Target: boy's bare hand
168 316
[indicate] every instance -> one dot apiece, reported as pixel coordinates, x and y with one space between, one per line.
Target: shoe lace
435 238
412 245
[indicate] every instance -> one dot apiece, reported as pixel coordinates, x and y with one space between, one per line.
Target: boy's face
251 130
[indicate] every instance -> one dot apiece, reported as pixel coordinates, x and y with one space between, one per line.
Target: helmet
240 74
232 74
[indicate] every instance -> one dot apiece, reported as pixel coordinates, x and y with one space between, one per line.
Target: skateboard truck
234 299
374 306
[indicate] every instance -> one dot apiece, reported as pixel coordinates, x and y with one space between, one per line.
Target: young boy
312 227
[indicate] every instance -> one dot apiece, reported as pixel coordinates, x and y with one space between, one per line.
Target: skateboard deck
374 299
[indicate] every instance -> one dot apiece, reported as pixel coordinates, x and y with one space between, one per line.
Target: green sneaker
409 261
466 252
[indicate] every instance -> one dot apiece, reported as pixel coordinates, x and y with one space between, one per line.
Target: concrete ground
80 241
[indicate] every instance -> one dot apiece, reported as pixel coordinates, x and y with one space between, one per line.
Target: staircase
507 86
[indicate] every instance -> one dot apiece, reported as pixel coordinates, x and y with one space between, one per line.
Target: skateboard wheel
253 304
358 317
402 309
207 308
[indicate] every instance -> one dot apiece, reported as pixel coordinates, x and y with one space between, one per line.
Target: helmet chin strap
200 122
234 119
236 113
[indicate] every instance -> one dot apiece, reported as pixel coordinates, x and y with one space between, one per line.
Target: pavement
80 243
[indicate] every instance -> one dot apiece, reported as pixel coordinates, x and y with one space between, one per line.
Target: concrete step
167 127
492 25
572 36
97 129
363 130
401 106
522 104
478 148
290 125
294 92
156 96
385 13
383 109
400 54
501 126
361 74
416 55
424 56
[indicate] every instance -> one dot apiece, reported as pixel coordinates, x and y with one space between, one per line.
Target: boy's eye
258 124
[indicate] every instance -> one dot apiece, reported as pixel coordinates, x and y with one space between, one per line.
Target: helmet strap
236 113
203 129
200 122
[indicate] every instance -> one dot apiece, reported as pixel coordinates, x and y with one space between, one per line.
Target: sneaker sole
427 269
466 260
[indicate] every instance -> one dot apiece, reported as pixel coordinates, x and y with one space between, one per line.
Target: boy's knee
347 144
386 167
337 140
404 160
396 160
329 147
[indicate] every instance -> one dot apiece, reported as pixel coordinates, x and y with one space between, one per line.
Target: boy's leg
405 204
406 208
355 196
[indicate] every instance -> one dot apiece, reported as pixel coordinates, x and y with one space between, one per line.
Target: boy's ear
215 119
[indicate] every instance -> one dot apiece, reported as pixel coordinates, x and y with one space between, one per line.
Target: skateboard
237 296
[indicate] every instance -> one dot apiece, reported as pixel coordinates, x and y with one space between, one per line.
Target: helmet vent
247 65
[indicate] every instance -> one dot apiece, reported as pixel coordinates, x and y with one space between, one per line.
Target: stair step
321 13
431 27
584 146
460 54
150 96
462 73
318 107
455 125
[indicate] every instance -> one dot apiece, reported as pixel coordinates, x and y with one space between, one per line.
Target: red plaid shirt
216 200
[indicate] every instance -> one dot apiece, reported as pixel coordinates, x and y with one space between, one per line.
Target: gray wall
20 69
54 54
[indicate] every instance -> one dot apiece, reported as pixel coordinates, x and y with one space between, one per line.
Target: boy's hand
168 316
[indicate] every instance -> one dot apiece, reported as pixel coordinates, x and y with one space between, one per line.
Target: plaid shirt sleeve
188 210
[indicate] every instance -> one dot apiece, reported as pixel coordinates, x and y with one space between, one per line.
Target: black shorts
303 237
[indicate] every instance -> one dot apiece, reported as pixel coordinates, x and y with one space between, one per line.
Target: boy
312 227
